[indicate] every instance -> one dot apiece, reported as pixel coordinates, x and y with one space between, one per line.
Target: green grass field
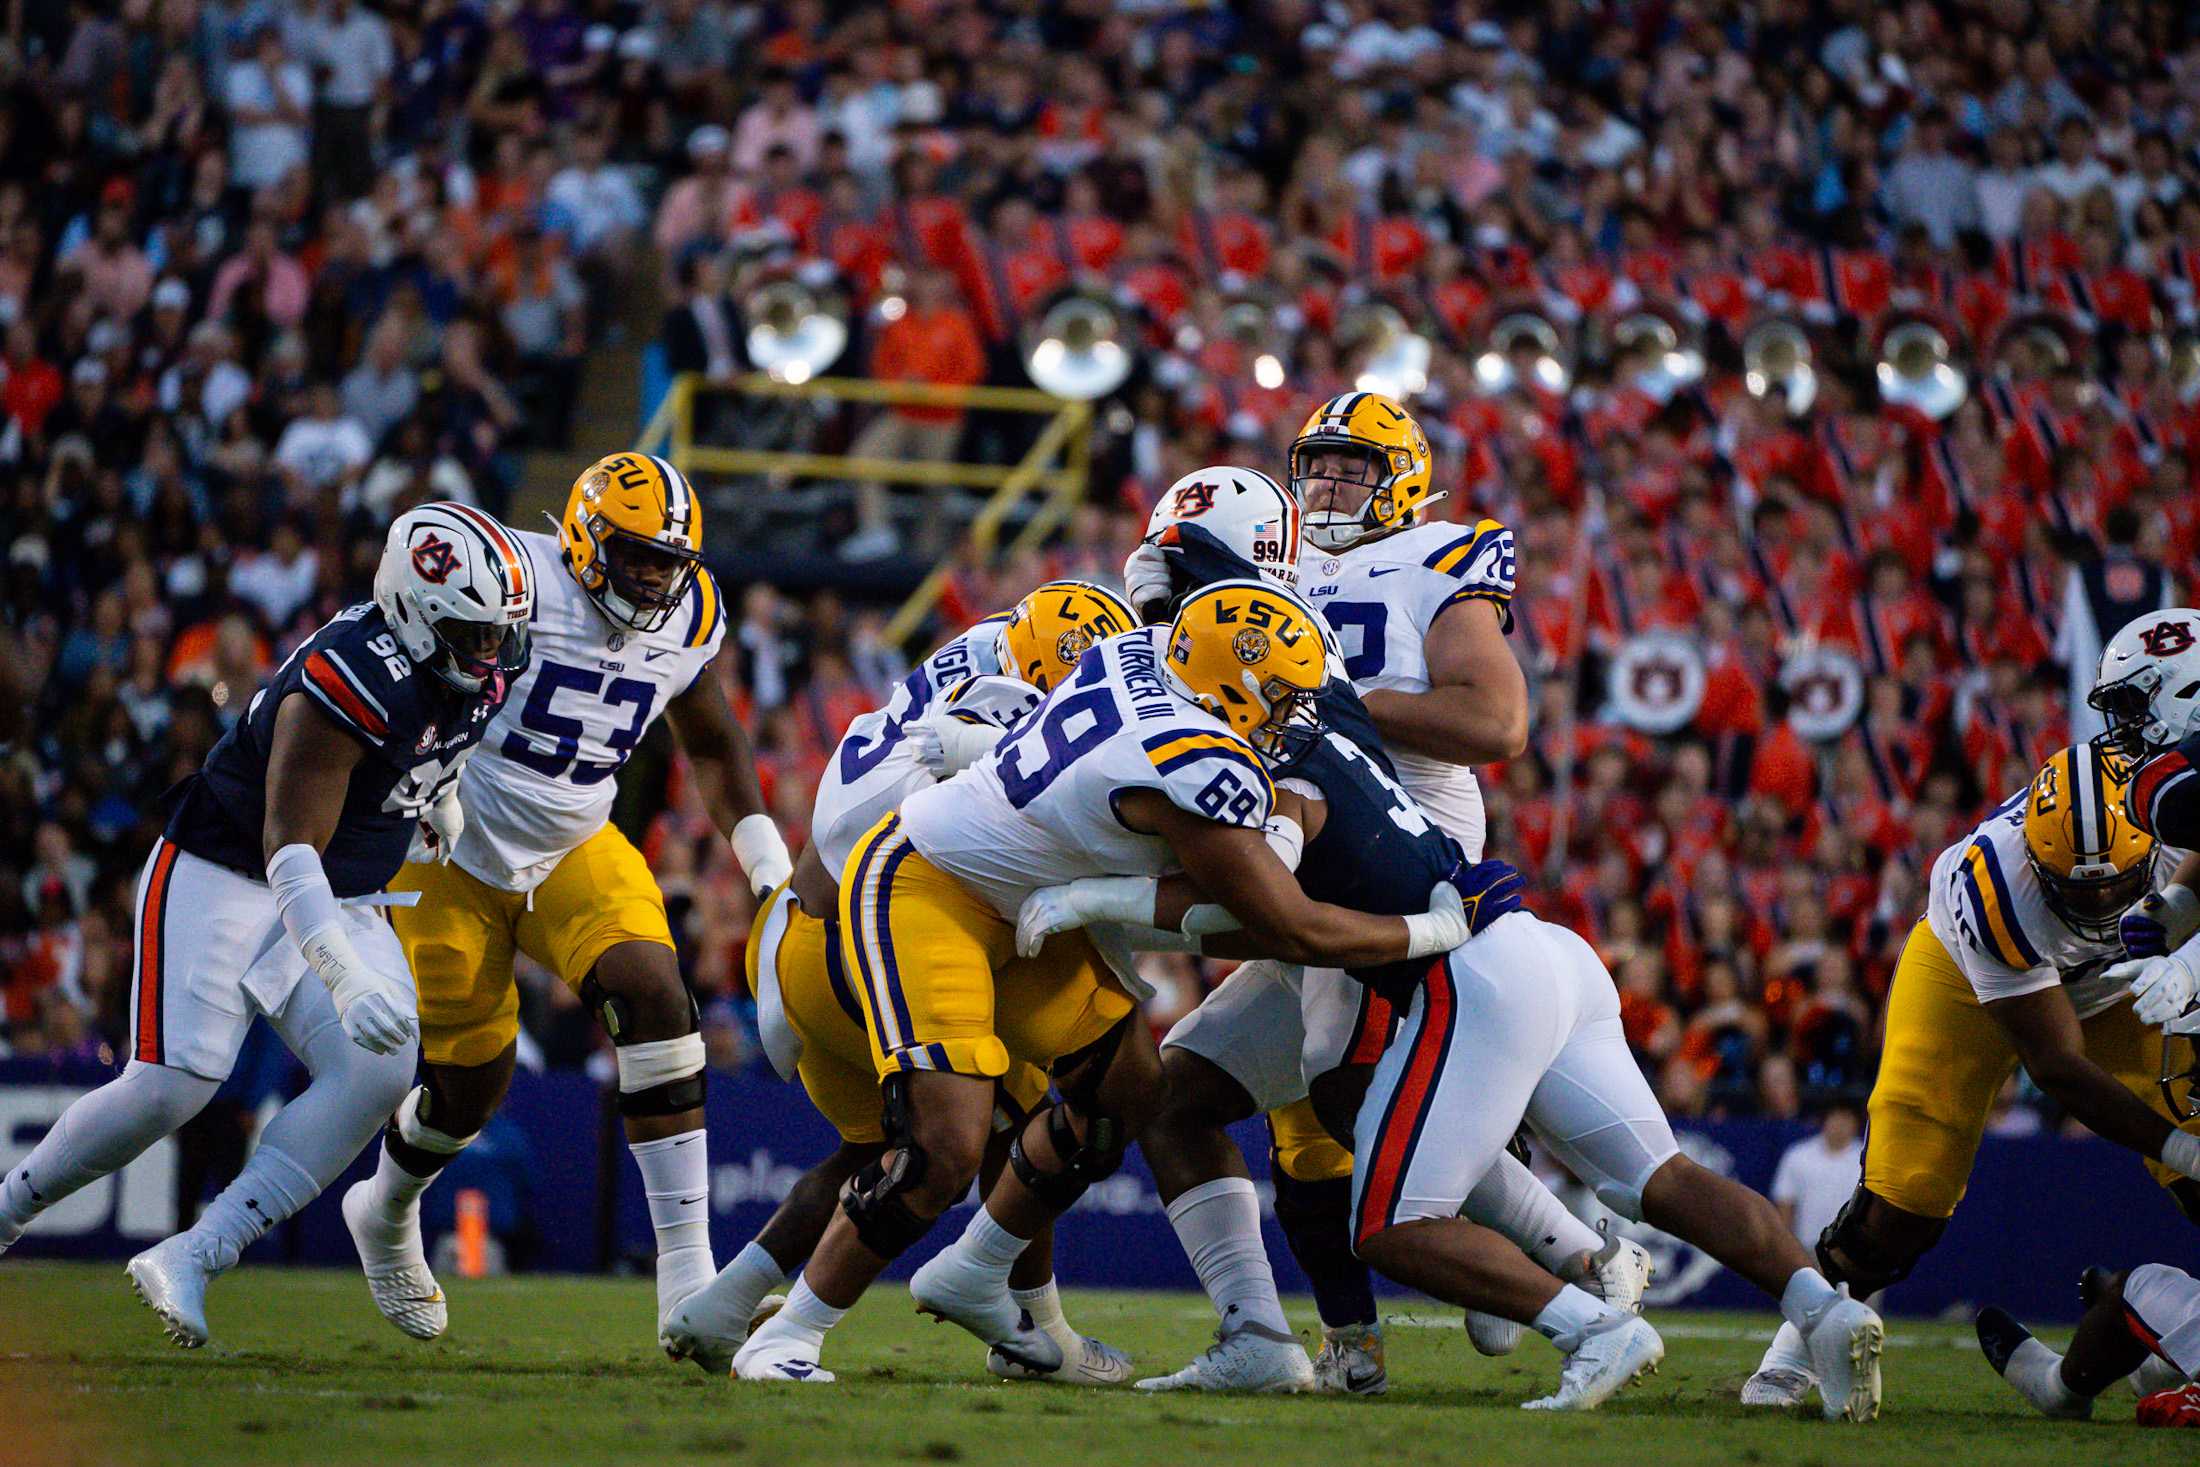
302 1371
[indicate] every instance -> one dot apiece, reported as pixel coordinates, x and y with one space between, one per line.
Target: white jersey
1986 907
1040 809
876 766
1382 597
541 782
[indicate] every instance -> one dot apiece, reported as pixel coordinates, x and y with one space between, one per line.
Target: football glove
436 836
2161 987
2162 922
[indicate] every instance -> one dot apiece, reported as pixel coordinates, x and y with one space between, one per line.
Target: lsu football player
343 766
947 713
2012 963
1148 758
1273 1037
627 628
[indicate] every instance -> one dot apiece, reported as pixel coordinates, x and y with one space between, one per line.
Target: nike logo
690 1201
653 654
797 1372
1384 571
681 1141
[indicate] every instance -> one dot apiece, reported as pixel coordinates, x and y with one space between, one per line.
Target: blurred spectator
935 341
1817 1175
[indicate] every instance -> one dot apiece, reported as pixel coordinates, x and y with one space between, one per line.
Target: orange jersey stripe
150 956
331 682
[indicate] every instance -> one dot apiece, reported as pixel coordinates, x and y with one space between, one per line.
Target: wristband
761 850
2181 1154
313 919
1128 900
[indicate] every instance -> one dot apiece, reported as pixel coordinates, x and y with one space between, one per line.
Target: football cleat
1493 1334
2029 1366
1603 1365
949 1293
1844 1343
2179 1407
171 1278
1619 1274
1085 1361
784 1352
1251 1357
690 1334
1784 1377
1351 1362
396 1265
2154 1376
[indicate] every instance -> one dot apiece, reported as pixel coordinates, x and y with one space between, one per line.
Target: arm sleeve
1477 565
2165 795
1211 774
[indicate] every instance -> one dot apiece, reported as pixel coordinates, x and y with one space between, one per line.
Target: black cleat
2097 1283
1999 1334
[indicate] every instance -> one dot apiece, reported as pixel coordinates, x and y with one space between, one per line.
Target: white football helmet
458 591
1254 517
2149 684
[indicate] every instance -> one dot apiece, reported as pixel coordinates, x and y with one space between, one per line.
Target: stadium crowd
269 273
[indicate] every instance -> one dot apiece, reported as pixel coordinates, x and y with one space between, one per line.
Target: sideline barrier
2040 1208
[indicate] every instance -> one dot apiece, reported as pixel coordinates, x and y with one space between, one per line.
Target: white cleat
1619 1274
171 1278
949 1292
1492 1334
1351 1362
1844 1344
1784 1378
783 1353
1085 1361
1251 1357
1603 1365
396 1265
693 1332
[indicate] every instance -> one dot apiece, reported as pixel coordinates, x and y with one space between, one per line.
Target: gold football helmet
1370 441
2091 861
1051 628
1251 654
632 535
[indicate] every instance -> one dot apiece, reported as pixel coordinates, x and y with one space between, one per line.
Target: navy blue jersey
416 728
1377 850
2164 798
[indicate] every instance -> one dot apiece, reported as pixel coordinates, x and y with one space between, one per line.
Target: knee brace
1078 1074
1849 1254
662 1077
416 1146
1084 1161
616 1013
875 1198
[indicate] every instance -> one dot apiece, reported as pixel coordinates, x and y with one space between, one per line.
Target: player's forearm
2100 1102
1320 935
727 785
1458 724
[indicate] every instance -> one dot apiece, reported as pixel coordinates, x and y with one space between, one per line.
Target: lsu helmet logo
2166 639
1250 646
433 560
1071 645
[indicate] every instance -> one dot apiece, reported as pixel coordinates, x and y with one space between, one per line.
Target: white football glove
2161 988
1146 576
436 836
762 852
1442 927
1080 903
925 743
372 1017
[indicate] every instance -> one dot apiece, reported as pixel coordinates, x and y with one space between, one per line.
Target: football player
2142 1326
627 627
1520 1024
946 714
2012 963
2148 690
271 862
1148 758
1257 1042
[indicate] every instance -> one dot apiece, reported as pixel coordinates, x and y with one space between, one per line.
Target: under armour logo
434 560
257 1210
2167 639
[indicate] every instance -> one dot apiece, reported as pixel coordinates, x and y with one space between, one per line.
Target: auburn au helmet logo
434 560
2167 639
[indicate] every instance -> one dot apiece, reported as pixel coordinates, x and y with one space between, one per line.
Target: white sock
676 1181
2036 1372
1788 1352
742 1284
99 1134
988 1248
393 1194
1044 1305
1218 1223
271 1188
1511 1200
1574 1315
1807 1296
804 1309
